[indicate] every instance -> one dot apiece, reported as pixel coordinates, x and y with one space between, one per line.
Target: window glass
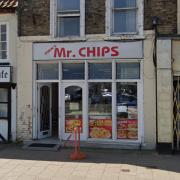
73 71
68 26
127 112
73 108
3 95
100 110
3 110
47 71
125 21
128 70
68 5
124 3
100 71
3 41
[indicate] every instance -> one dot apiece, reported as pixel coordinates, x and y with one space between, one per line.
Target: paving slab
100 164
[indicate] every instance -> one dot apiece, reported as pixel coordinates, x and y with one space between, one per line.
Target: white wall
149 92
165 91
11 19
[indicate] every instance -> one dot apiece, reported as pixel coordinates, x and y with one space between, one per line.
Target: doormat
42 146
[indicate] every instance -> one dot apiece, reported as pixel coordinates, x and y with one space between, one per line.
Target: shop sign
5 73
87 50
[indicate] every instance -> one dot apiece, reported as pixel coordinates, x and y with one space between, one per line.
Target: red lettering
91 51
105 50
60 52
114 51
98 51
81 52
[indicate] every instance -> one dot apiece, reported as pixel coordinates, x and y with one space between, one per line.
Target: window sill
68 38
125 37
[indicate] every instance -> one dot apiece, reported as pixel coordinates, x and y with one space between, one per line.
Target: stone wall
34 16
95 17
166 11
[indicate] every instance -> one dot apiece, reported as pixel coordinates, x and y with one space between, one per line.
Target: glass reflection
127 115
100 110
73 108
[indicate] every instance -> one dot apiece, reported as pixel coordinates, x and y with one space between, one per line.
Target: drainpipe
154 27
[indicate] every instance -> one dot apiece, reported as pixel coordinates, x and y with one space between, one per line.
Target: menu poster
100 128
127 128
71 123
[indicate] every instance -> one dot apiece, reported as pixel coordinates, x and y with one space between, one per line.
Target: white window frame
7 40
53 21
85 82
110 25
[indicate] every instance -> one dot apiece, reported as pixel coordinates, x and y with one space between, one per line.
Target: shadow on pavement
148 159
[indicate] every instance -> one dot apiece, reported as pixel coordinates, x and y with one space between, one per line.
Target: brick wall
34 16
166 11
95 17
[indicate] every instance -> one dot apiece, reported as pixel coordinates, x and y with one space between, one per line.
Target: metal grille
176 112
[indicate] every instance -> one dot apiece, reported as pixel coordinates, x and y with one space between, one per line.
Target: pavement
100 164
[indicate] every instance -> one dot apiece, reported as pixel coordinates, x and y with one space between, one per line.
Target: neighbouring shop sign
5 73
88 50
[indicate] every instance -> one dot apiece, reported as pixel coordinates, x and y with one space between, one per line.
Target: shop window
73 71
3 103
127 112
68 18
128 70
100 71
3 42
47 72
100 110
124 17
73 108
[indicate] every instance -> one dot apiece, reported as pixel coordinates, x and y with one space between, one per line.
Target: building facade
8 64
91 64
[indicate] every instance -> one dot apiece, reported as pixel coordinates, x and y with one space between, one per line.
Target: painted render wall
149 92
11 19
165 90
25 83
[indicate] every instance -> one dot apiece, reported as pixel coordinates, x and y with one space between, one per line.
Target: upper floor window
124 17
68 18
3 41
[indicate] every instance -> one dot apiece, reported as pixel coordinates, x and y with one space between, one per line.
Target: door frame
39 133
64 85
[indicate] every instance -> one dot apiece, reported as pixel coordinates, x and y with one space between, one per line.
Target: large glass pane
73 108
3 110
68 26
47 71
127 112
64 5
124 3
3 37
124 21
3 46
73 71
100 110
3 95
3 28
3 55
100 71
128 70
